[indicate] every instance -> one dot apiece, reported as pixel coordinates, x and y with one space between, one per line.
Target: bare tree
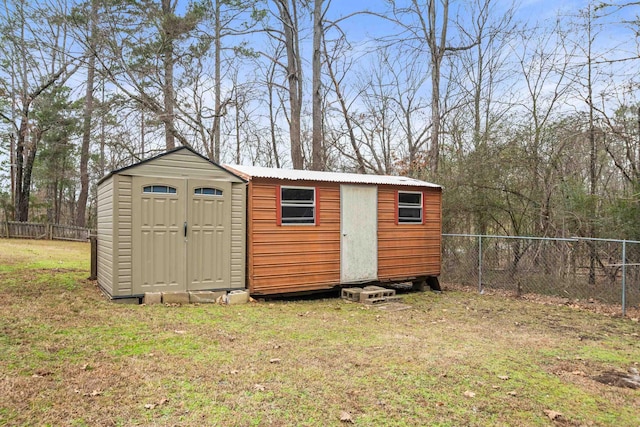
426 27
316 114
290 37
87 116
39 64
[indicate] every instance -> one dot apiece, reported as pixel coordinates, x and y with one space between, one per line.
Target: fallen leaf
274 360
439 403
580 373
95 393
512 393
180 332
553 415
234 372
346 417
258 387
469 394
149 405
85 367
503 377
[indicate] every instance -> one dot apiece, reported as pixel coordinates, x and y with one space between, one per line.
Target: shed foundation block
205 297
237 297
152 298
175 297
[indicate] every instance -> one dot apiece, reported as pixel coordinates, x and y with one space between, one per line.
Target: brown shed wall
292 258
408 250
297 258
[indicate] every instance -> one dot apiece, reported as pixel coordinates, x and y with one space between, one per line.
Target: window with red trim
297 205
410 207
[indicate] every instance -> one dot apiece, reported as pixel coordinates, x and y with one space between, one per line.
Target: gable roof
250 172
184 147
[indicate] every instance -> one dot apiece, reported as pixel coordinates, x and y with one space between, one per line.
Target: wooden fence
33 230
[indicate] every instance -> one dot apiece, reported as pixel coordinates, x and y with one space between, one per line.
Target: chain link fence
607 271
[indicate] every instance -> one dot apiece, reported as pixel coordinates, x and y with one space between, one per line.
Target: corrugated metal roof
339 177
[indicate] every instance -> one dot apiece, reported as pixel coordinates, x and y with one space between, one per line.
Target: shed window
161 189
409 207
298 205
207 191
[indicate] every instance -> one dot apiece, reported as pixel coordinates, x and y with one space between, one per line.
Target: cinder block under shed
370 295
205 297
237 297
175 297
152 298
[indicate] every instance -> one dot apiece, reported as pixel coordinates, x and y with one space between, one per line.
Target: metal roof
339 177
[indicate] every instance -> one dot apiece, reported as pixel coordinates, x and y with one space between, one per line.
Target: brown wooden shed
309 230
174 222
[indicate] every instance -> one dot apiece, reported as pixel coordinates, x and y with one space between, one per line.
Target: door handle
185 229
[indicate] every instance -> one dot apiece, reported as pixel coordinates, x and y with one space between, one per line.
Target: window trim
419 206
283 203
217 192
152 187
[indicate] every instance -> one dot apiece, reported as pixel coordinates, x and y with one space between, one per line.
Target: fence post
479 263
94 257
624 278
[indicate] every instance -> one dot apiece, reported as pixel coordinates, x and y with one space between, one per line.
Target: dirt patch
619 379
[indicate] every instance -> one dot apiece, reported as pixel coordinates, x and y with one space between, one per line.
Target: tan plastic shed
174 222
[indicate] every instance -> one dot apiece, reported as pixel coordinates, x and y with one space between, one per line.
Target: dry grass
69 357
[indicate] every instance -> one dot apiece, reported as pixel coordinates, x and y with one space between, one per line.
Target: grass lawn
70 357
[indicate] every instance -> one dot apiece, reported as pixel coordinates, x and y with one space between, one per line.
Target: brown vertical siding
408 250
292 258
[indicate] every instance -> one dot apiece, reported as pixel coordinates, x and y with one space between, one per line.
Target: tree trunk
217 86
86 125
437 47
272 118
316 114
167 85
21 207
288 15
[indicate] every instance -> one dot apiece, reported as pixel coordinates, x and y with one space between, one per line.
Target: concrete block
237 297
152 298
351 294
175 297
373 288
205 297
373 296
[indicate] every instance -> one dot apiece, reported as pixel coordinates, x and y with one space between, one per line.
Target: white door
359 233
208 234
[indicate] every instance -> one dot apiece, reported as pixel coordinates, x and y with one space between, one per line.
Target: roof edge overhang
255 172
174 150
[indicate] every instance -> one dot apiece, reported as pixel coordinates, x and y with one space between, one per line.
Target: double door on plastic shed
181 234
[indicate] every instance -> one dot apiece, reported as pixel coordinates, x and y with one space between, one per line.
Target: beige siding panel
124 255
182 164
105 235
238 235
